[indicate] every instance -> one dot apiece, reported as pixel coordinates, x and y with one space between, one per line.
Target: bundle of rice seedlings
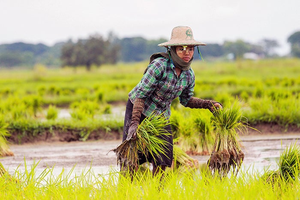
289 166
227 153
4 149
289 162
181 158
147 141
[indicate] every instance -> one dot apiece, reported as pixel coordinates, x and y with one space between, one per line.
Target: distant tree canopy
294 40
23 54
97 50
211 50
93 51
138 49
239 47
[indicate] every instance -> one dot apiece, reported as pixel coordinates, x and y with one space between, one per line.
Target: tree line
97 50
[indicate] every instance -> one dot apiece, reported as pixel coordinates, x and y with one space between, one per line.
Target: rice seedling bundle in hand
148 141
227 153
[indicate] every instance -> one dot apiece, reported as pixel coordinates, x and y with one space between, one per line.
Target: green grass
190 184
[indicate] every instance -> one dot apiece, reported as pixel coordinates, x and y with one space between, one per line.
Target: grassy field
268 91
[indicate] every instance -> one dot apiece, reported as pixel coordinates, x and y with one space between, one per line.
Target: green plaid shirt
160 85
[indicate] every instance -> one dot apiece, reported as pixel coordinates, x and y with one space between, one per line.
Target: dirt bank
73 135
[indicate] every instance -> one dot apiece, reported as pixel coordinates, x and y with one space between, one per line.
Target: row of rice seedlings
29 129
191 184
283 111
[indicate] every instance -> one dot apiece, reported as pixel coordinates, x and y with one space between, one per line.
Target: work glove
207 104
137 110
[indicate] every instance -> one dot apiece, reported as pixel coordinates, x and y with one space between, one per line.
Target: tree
133 49
211 50
238 48
67 54
268 46
93 51
294 40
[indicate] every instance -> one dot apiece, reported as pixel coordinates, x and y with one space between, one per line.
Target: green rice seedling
106 109
289 162
34 103
19 111
272 177
78 114
148 141
175 119
41 90
227 153
2 170
288 167
189 139
84 92
89 107
244 95
83 109
182 159
52 113
100 96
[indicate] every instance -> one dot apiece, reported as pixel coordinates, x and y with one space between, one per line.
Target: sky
212 21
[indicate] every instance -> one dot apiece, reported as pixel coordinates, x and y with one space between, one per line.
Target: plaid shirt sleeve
149 81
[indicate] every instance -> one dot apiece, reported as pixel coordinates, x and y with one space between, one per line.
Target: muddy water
260 152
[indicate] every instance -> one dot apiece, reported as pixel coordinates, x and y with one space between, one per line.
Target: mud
261 151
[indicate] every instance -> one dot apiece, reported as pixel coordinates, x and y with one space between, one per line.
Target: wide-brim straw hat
181 36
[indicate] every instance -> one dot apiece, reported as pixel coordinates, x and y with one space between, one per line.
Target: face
185 52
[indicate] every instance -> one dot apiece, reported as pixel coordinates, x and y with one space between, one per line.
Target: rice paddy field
32 103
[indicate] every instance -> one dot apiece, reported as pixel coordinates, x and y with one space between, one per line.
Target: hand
132 131
216 106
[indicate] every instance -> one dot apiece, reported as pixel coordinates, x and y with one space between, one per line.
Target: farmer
168 76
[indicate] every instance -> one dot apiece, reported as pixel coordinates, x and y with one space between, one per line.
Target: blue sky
51 21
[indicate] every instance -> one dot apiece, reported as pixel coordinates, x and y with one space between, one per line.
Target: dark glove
137 110
132 131
207 104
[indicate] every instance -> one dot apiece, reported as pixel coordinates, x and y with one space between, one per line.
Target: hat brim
180 43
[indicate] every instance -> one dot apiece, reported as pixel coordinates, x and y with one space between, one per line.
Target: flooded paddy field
261 152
